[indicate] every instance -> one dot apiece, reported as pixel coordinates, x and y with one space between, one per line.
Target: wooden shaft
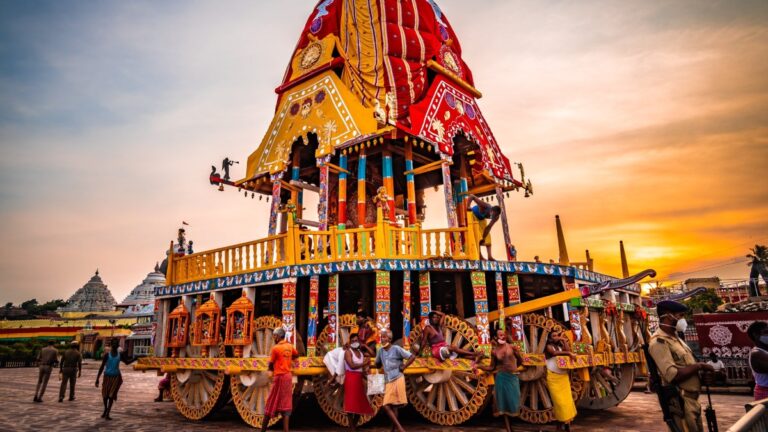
276 188
389 183
297 196
341 215
410 184
361 188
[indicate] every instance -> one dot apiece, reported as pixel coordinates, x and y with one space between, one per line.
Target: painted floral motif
320 97
310 55
439 129
720 335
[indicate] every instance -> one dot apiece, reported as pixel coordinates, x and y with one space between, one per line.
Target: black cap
669 306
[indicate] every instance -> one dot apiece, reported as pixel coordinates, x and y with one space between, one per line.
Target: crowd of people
349 366
678 371
71 368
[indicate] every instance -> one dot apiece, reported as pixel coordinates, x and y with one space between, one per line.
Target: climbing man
481 213
441 350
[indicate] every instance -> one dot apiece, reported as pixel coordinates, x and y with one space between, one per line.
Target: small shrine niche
239 324
206 326
178 326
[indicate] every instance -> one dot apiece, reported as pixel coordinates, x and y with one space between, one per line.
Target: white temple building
94 297
142 298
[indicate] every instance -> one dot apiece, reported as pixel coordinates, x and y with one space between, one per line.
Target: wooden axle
536 304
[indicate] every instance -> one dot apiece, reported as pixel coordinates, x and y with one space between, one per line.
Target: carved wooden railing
296 246
240 258
446 243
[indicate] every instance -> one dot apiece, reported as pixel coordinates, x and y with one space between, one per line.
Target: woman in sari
355 398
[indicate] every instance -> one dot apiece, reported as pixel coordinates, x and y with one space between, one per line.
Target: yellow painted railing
297 246
240 258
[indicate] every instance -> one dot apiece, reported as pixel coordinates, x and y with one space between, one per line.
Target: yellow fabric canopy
323 106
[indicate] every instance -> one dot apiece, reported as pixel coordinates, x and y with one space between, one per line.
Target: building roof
389 50
94 296
142 297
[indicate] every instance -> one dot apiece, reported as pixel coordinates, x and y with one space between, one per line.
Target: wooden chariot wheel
535 401
250 389
609 386
331 399
197 393
449 397
604 390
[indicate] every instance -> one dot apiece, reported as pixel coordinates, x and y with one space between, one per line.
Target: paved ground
135 410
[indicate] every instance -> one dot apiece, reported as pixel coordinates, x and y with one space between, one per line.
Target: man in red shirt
279 400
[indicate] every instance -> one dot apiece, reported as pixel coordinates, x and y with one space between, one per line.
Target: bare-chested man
506 359
433 335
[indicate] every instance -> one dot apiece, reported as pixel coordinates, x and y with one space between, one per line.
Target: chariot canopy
364 69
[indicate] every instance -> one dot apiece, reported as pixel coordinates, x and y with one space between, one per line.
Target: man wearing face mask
677 365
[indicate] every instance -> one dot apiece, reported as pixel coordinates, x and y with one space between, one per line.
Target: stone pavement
135 410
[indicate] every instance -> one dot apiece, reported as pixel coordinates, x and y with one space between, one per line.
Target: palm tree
759 267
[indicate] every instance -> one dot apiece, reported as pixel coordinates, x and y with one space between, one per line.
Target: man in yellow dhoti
558 380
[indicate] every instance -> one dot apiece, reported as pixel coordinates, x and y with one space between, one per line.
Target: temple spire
561 242
624 266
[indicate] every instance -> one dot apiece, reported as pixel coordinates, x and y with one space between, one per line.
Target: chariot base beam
537 304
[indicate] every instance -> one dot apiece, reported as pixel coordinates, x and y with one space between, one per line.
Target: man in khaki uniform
71 370
46 359
677 365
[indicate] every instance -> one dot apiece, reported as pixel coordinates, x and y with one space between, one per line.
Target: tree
9 305
52 305
706 302
758 267
29 305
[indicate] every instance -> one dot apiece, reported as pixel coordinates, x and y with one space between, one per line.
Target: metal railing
141 351
755 420
296 246
16 363
737 371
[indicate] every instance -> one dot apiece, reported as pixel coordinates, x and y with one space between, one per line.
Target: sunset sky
643 121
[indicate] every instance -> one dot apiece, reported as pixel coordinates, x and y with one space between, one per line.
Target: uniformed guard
46 360
71 369
677 365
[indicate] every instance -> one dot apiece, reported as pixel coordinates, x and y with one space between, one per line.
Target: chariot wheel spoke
331 400
452 396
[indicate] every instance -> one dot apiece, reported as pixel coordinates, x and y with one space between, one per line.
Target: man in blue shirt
391 358
481 213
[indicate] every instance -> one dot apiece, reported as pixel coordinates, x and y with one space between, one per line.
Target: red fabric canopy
448 110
